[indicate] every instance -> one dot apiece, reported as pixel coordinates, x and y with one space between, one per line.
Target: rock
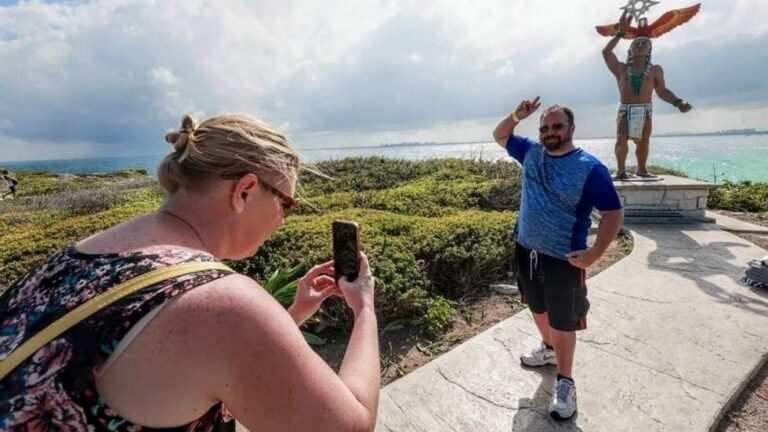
504 289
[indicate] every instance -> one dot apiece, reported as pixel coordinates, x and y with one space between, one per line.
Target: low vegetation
743 196
433 230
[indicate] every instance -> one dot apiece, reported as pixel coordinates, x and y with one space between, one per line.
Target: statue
638 77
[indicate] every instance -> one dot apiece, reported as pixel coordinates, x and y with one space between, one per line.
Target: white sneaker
563 404
540 356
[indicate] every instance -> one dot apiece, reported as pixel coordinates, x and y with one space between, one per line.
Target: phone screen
346 249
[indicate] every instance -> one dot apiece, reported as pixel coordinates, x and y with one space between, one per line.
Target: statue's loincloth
635 116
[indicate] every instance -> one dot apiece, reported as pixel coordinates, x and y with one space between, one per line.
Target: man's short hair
568 112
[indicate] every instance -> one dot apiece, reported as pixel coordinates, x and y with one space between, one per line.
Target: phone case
346 249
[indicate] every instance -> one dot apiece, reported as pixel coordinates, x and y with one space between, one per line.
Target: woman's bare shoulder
232 294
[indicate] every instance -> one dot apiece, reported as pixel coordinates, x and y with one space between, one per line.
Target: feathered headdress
665 23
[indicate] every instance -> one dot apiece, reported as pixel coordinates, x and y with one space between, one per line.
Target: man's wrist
619 34
514 117
677 102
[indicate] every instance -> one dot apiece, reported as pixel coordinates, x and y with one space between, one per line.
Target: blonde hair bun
228 144
181 138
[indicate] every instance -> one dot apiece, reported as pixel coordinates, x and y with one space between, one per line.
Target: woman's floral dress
55 389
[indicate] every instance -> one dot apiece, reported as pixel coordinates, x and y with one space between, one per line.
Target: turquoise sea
734 157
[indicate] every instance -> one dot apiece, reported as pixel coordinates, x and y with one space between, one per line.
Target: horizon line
734 132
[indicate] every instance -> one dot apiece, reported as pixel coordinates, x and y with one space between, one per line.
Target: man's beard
554 143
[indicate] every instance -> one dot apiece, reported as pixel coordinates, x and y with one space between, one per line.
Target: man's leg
622 150
563 406
567 306
622 146
542 323
643 148
544 354
532 295
565 348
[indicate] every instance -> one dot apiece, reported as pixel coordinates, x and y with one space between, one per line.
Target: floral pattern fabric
55 389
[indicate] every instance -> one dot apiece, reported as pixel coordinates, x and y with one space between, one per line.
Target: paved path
673 336
734 225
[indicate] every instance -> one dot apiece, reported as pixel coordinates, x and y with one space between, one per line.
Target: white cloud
162 75
123 71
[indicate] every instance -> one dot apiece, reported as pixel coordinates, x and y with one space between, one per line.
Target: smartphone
346 249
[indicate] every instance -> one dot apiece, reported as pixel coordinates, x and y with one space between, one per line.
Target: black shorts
552 285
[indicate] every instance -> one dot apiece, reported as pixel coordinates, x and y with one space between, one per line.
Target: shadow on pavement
532 414
703 262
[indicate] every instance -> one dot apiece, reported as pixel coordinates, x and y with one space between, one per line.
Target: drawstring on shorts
533 262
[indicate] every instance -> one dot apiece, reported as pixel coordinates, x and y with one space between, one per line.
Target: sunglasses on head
288 203
554 127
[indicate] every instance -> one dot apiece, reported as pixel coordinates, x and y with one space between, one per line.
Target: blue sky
110 77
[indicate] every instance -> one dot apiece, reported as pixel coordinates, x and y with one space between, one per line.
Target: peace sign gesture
527 108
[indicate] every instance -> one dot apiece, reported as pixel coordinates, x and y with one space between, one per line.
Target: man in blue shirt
561 186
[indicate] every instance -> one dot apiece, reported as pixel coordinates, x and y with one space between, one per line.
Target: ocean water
735 157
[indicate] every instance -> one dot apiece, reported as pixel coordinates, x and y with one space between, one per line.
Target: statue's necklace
637 78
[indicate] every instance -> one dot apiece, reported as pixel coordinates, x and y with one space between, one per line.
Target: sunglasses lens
555 127
289 208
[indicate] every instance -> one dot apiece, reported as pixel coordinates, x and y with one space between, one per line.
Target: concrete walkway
673 336
728 223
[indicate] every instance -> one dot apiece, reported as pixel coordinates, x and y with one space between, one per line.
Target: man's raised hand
527 108
624 22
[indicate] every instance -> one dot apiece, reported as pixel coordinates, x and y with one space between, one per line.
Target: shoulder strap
97 303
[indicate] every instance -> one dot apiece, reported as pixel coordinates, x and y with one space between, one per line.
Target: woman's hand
316 286
359 293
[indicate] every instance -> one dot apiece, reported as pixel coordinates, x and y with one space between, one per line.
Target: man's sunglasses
555 127
288 203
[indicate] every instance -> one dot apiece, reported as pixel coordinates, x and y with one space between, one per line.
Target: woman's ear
243 190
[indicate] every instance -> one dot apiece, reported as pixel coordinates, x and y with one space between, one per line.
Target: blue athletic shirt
559 193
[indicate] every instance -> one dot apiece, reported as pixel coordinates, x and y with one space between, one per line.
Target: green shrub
662 170
36 183
744 196
437 316
434 230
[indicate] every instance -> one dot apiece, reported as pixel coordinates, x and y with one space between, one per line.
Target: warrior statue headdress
644 32
664 24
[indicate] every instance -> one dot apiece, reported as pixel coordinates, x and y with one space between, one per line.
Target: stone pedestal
670 199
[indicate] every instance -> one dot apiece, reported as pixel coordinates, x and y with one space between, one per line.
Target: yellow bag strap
95 304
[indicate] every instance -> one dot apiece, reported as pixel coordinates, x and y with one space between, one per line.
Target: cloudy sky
110 77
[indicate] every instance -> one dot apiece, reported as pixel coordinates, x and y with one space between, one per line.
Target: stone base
670 200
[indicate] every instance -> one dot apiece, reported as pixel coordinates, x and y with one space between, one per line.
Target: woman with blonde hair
192 351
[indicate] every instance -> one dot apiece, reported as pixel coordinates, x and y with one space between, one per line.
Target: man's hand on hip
583 258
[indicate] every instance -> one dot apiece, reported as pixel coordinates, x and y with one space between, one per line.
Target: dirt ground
405 350
750 412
